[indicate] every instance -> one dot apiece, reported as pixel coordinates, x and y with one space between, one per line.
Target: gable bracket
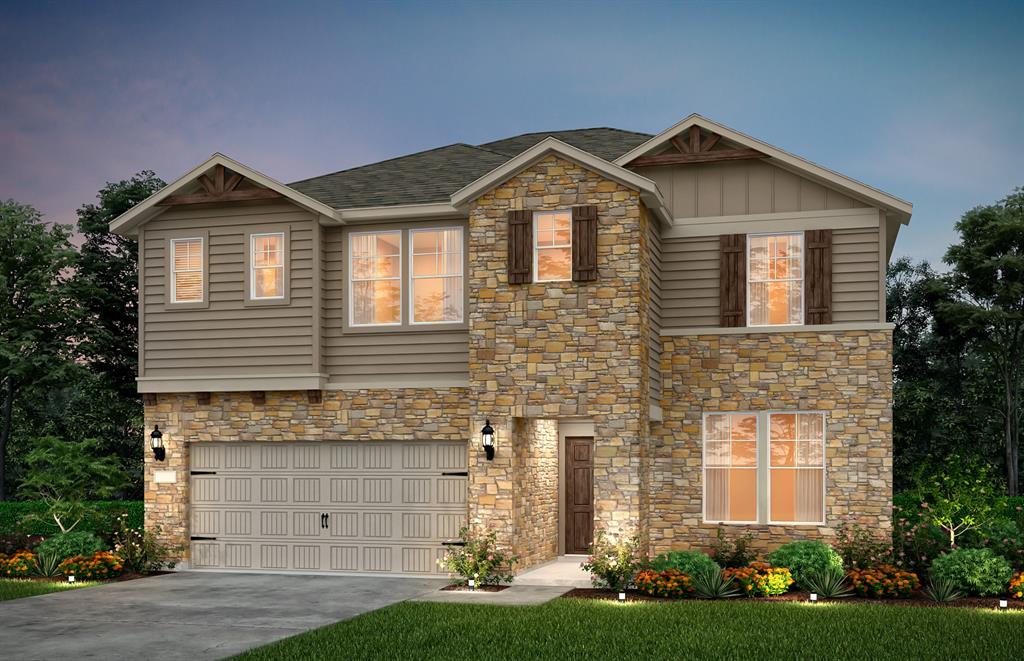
220 189
696 149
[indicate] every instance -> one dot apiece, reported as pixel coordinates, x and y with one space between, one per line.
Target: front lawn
574 628
16 589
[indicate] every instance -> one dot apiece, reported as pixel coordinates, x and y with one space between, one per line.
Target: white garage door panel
358 507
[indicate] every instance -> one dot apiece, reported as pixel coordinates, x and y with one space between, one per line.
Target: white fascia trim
126 223
784 159
401 212
648 190
231 383
761 330
782 221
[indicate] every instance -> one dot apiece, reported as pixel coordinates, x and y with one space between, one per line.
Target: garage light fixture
156 441
487 433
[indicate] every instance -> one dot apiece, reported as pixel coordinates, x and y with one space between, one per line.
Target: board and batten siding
381 359
740 188
226 337
654 312
690 279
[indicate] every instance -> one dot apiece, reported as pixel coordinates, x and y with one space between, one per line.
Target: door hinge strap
205 539
457 473
202 472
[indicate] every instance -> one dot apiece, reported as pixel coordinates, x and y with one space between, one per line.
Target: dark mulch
917 599
127 576
480 588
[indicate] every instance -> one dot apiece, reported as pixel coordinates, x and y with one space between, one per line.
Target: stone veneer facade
351 415
558 349
846 374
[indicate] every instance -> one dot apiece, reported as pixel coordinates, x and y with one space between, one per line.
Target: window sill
404 328
267 302
171 307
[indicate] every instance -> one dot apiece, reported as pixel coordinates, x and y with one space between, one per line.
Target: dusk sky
924 101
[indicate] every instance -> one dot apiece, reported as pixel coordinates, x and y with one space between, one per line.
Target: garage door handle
458 473
325 519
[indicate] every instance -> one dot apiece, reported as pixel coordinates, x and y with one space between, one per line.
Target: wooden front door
579 493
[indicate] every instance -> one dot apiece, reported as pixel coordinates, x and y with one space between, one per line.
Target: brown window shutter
584 243
818 277
520 246
732 295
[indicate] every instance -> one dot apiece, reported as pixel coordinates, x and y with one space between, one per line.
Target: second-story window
552 247
436 276
267 265
187 270
775 274
375 278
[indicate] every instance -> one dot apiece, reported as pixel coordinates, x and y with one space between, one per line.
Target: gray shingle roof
606 143
433 175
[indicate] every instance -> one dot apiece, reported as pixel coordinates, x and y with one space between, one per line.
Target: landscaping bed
916 599
458 587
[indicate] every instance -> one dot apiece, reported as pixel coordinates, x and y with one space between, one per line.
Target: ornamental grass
884 582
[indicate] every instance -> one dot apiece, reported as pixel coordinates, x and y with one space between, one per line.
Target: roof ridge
393 158
549 133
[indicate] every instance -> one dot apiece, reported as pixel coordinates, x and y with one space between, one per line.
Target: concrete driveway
189 615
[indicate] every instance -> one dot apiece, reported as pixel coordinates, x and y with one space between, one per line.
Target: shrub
669 583
974 571
688 562
18 565
1004 536
860 547
959 496
97 567
828 583
479 559
712 584
1017 586
613 565
760 579
884 582
916 542
12 542
732 552
140 550
804 557
69 544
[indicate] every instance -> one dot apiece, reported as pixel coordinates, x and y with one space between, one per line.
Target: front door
579 493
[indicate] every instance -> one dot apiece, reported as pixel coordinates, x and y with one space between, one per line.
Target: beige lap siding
228 337
428 414
848 375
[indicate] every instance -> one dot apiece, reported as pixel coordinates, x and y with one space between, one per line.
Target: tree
958 495
985 305
106 286
67 476
36 315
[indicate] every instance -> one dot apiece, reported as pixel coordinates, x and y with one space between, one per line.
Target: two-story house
665 333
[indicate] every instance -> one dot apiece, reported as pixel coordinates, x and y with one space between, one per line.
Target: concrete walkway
189 615
564 570
514 595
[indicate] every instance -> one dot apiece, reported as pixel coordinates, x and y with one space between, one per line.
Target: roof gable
900 208
128 222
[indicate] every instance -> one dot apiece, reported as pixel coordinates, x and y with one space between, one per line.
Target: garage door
346 507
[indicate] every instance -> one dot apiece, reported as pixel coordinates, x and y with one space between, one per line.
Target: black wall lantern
487 434
156 440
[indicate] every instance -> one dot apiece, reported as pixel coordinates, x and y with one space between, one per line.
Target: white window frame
764 487
803 278
824 468
704 466
351 281
536 248
413 276
175 271
253 267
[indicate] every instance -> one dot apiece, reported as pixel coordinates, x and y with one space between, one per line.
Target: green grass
572 628
15 589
